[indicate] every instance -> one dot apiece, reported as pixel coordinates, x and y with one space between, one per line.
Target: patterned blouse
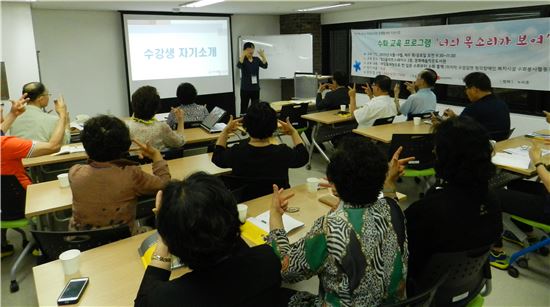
359 254
158 134
192 112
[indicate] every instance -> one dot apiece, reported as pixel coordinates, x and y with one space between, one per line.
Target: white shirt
378 107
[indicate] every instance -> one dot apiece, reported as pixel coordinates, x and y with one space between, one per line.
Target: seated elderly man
35 124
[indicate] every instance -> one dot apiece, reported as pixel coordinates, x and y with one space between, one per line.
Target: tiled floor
531 288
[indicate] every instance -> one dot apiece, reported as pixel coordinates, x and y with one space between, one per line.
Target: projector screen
166 50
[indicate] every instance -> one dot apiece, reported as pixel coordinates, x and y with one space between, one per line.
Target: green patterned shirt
359 254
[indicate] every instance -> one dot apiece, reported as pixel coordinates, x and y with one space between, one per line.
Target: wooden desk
384 133
278 105
327 117
48 197
49 159
199 135
332 123
192 136
517 142
115 270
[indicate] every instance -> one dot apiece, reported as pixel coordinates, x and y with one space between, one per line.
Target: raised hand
178 113
232 125
279 202
60 106
148 151
410 87
396 166
18 106
367 89
396 90
352 92
286 127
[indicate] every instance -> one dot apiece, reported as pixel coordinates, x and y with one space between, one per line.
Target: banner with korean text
514 54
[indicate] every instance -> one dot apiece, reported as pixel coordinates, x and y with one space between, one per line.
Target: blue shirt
423 101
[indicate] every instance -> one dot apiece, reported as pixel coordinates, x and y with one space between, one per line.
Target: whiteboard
286 54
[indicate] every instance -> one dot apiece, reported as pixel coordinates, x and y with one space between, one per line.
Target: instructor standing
250 69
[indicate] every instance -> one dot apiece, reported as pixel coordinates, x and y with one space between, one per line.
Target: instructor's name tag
254 79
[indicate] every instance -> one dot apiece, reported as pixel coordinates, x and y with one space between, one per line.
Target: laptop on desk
210 123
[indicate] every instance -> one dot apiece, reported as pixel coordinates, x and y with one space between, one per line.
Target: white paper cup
243 209
312 184
70 260
63 180
417 121
343 107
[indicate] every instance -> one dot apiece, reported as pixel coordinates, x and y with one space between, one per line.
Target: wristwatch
160 258
539 163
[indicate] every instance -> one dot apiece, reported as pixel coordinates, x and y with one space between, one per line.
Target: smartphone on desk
73 291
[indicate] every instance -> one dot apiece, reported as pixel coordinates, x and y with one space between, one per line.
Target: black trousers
248 96
526 199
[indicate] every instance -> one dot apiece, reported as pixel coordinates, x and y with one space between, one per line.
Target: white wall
82 57
419 8
523 123
18 49
242 25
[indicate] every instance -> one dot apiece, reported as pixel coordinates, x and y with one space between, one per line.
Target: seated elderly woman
105 190
145 128
462 214
186 96
259 160
359 250
198 222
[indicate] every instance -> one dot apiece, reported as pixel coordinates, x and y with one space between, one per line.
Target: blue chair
520 257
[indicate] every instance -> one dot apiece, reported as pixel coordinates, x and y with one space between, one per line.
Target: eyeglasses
48 94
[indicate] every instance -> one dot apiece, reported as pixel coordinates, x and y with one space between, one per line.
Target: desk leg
314 145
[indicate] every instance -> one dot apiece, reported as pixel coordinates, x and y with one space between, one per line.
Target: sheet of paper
162 117
511 160
67 149
262 221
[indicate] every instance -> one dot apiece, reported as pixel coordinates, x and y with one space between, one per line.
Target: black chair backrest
172 153
467 273
501 135
294 113
427 115
383 121
419 146
422 299
53 243
13 198
245 189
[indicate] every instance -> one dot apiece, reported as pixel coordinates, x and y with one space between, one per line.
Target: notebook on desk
210 123
147 248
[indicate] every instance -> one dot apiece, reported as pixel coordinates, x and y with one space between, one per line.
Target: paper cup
417 120
343 107
63 180
70 260
243 209
312 184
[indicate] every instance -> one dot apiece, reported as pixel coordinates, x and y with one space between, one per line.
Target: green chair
294 113
421 147
13 195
